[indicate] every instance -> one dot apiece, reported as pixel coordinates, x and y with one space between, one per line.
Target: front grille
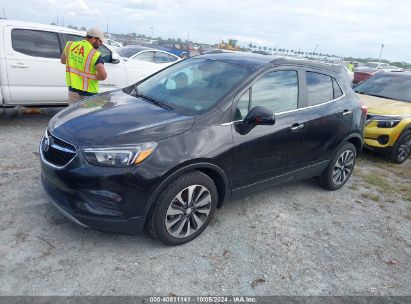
56 151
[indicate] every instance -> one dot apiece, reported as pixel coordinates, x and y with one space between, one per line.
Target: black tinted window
320 88
337 89
277 91
36 43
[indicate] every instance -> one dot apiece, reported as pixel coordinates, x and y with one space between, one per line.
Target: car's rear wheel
184 209
340 168
402 148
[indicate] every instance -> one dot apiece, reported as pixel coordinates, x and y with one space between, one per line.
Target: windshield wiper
154 101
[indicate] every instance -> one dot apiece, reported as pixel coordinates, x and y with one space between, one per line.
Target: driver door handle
346 112
296 127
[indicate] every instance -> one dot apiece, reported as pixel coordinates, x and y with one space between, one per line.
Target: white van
31 73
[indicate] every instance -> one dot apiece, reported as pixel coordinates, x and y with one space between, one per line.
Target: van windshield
194 84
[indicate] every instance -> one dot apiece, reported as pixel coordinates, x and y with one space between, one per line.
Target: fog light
383 139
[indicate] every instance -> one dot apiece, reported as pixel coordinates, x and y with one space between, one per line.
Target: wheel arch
213 171
356 139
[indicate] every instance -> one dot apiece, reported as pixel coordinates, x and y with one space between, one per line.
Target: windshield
370 65
193 84
388 86
126 52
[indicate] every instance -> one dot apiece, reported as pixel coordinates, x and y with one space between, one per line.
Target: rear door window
160 57
320 88
146 56
36 43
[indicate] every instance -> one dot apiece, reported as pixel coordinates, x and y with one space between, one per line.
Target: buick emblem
46 144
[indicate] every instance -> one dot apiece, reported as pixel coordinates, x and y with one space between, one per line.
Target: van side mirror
259 116
115 57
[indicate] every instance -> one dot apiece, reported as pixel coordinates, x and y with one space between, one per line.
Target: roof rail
325 65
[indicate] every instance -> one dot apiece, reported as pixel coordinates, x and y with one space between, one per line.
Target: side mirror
259 116
115 57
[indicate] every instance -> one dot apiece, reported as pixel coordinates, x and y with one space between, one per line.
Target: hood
384 106
116 118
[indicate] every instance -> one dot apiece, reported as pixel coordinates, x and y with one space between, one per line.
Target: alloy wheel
188 211
343 167
404 149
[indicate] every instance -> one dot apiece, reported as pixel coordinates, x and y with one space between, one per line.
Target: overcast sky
347 28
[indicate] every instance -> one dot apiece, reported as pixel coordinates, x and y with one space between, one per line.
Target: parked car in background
113 45
388 127
164 153
158 57
369 69
31 73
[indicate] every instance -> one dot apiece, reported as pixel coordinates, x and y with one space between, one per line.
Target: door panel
266 152
328 122
35 74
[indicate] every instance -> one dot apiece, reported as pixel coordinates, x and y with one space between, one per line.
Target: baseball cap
97 33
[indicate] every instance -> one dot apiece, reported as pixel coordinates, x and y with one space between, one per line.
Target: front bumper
65 204
382 138
103 198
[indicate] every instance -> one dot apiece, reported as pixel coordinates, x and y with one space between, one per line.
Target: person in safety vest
84 65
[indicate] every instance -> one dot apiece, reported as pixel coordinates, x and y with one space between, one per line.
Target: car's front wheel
184 209
402 148
340 168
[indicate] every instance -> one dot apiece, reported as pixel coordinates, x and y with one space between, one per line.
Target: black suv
166 152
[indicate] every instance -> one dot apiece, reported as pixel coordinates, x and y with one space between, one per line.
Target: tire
402 148
340 168
175 220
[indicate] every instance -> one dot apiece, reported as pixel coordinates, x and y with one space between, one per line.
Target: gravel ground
295 239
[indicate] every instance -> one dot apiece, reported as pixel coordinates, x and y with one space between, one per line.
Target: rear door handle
296 127
346 112
19 66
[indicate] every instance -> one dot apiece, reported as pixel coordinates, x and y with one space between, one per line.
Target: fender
180 171
355 136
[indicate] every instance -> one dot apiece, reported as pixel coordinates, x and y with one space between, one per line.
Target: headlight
119 156
388 123
384 121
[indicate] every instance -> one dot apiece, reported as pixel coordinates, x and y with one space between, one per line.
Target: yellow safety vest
80 66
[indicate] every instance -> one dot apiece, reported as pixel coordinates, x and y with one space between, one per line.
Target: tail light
364 109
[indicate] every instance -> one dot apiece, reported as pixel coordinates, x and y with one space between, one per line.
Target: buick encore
166 152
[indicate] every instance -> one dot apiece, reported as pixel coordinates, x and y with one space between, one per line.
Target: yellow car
388 128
